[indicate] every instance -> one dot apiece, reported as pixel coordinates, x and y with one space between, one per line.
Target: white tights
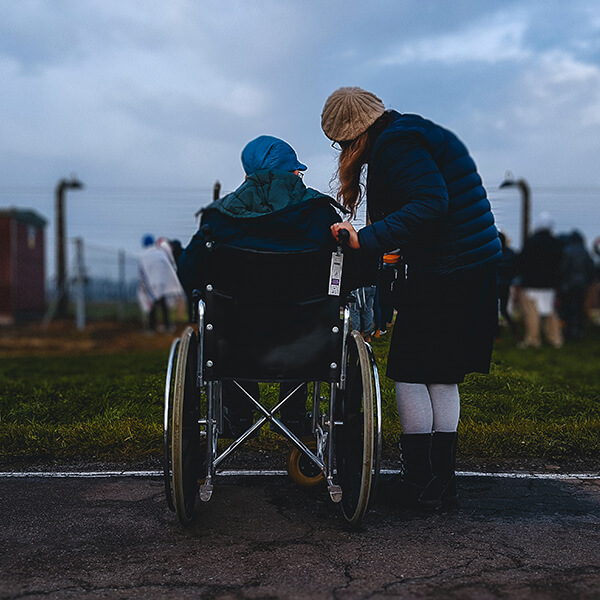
424 408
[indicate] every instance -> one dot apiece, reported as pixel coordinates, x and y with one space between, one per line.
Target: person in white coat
158 283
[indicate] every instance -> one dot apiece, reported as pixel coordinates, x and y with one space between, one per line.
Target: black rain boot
415 449
441 491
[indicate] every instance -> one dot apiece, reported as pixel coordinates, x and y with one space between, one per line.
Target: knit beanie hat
268 152
348 112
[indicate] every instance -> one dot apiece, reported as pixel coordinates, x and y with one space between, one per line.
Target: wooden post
121 300
80 278
61 277
525 209
61 269
525 190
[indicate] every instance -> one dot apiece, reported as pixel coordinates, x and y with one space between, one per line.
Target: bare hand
353 242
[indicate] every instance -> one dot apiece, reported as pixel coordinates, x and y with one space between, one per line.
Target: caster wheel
303 470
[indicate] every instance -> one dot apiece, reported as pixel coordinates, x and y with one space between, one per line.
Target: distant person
576 275
594 299
425 198
362 311
505 276
596 246
538 270
175 302
176 248
158 283
162 243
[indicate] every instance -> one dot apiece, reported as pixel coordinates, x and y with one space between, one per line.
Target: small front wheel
303 470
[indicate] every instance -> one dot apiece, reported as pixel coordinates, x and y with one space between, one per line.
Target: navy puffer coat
425 197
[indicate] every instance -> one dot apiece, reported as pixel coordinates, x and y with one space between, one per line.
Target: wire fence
101 281
118 217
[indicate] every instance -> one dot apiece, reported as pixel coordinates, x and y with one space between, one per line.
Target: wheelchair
273 317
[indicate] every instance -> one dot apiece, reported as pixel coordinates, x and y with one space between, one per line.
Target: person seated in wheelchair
272 210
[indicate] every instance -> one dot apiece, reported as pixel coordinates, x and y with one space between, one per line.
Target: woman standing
425 199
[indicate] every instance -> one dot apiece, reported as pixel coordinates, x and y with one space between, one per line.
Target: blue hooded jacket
271 211
425 197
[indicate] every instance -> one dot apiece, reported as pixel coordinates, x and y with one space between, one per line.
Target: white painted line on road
530 475
258 473
81 474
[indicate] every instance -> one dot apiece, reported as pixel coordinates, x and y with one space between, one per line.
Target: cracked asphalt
263 537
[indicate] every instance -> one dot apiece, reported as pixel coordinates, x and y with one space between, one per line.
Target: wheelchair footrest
206 491
335 493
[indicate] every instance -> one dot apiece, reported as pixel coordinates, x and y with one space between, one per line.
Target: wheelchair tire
301 469
356 439
167 420
188 448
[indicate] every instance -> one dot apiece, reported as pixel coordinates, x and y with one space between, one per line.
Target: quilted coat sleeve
404 171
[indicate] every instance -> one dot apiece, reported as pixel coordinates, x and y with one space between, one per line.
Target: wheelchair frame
346 452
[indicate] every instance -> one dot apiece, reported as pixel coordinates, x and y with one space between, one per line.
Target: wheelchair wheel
167 418
188 446
303 470
356 444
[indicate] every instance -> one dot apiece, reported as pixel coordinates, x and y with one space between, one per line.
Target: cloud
561 88
139 96
493 39
152 93
546 122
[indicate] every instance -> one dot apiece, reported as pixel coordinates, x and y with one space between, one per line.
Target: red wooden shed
22 265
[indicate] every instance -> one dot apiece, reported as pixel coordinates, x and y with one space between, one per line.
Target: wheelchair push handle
344 237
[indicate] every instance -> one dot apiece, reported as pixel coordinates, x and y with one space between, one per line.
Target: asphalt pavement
264 538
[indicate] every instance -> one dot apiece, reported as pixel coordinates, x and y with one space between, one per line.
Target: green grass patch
535 404
102 406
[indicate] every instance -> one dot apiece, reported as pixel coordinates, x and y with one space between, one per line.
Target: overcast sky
149 102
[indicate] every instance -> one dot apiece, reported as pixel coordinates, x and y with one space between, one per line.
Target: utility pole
121 302
509 181
61 271
79 284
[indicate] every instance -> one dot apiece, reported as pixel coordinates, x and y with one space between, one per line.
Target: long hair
353 157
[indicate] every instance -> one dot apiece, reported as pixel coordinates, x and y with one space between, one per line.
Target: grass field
104 402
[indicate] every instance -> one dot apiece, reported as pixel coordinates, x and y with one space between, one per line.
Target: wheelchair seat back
269 316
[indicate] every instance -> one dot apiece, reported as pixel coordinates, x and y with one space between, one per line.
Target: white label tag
335 273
